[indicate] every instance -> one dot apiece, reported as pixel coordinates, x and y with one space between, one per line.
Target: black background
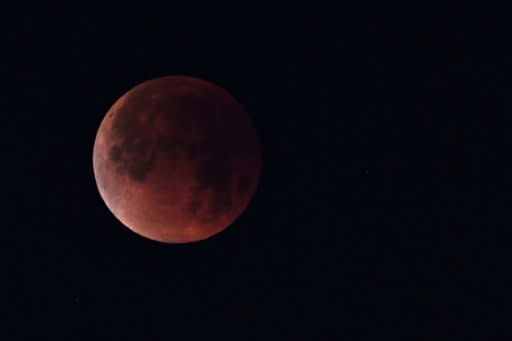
380 209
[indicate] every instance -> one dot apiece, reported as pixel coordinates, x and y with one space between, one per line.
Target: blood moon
177 159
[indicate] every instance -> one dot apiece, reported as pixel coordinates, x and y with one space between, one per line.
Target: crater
116 153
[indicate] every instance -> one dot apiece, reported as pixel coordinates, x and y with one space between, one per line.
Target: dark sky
380 210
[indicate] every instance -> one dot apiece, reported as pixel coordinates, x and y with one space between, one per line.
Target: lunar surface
176 159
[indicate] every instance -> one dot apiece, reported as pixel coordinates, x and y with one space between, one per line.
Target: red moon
176 159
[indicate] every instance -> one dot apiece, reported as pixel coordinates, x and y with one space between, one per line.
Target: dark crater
135 154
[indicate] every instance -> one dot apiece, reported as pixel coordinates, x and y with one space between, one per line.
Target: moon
176 159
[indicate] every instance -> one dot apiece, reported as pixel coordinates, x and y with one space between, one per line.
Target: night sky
380 211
